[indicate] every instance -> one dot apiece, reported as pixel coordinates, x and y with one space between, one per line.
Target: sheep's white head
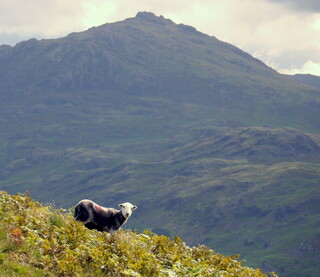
127 209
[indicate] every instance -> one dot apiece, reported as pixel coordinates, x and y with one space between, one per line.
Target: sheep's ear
120 205
134 207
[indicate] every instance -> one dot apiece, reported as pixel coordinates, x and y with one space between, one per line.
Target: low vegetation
37 240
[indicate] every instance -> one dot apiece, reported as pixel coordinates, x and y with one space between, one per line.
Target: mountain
174 62
209 142
308 79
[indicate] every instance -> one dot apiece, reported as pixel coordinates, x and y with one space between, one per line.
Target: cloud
40 18
310 6
11 38
309 67
273 33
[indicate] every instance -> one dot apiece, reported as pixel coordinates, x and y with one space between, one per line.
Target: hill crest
131 48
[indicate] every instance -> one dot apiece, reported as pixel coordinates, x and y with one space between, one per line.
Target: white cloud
40 18
281 37
309 67
97 12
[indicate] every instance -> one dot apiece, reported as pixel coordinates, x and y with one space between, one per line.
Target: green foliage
40 241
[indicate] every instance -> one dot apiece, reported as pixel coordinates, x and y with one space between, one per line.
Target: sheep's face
126 209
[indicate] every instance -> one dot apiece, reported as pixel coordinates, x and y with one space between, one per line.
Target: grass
36 240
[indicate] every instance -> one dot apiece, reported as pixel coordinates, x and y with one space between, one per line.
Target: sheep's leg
99 228
112 231
91 225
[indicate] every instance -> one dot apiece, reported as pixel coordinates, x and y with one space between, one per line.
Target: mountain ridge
112 39
172 63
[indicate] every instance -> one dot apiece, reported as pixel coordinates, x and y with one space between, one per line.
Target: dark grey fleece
95 217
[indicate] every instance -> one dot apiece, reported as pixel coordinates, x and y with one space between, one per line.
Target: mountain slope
308 79
113 50
174 62
41 241
236 202
146 110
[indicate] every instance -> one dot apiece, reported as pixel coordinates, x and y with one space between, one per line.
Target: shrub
41 241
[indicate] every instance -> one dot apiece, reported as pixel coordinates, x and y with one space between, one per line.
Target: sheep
100 218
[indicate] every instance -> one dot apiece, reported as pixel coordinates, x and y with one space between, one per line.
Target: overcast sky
285 34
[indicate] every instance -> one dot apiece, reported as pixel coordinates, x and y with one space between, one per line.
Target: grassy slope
311 80
39 241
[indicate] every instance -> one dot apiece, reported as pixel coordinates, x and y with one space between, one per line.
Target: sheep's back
104 216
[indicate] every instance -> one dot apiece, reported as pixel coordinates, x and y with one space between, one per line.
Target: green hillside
311 80
209 142
146 61
253 198
36 240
